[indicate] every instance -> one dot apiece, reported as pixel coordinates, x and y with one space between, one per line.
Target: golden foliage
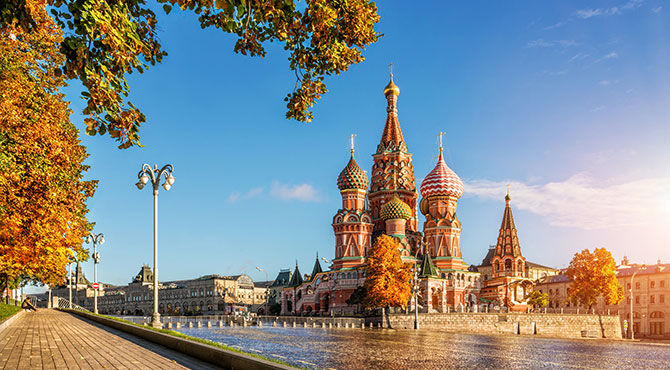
593 274
106 40
387 278
42 193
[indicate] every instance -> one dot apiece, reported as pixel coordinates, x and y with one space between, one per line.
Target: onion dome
442 181
352 177
395 209
391 88
424 206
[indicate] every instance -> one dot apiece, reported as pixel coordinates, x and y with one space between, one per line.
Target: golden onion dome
391 88
395 209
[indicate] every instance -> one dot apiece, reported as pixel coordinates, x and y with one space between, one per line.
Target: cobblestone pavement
405 349
50 339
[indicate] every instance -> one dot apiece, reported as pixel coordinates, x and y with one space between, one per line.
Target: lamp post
266 289
415 290
154 174
69 285
632 334
331 301
95 239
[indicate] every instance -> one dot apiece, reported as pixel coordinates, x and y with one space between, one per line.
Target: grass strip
7 311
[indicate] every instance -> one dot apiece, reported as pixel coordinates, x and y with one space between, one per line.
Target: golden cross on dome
440 137
351 138
391 68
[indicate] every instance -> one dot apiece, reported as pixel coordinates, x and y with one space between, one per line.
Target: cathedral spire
508 242
392 139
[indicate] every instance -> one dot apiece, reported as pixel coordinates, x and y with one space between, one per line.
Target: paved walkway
50 339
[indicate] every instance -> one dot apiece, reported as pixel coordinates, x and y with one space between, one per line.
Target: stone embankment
550 325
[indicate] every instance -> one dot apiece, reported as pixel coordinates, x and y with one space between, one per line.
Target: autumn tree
105 40
593 275
42 192
387 278
538 299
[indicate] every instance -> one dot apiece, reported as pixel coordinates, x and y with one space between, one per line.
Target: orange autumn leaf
387 278
42 192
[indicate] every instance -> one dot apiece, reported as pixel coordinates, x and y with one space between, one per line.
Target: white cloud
302 192
615 10
657 9
235 196
578 56
607 82
597 109
610 55
581 203
540 43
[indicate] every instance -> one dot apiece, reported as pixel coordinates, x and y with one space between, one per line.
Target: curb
11 319
214 355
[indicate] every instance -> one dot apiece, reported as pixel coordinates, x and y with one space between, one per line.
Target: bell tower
441 190
392 172
352 224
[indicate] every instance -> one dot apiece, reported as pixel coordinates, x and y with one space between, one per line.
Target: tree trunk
7 289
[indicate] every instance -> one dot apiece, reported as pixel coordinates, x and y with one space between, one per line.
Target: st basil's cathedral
387 204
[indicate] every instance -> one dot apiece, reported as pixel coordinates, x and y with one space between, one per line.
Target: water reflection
376 348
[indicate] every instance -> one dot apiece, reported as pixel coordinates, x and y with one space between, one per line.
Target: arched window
520 265
657 315
450 276
508 264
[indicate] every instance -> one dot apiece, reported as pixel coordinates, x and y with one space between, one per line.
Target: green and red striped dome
352 177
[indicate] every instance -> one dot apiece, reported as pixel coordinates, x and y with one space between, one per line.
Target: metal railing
62 303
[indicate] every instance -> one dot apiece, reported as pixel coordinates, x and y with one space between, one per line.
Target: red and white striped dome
442 181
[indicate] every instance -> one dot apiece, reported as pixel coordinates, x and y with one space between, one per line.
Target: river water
340 348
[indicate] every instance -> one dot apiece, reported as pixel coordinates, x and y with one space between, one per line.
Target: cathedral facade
387 202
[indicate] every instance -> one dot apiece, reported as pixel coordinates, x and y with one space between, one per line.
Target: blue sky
567 102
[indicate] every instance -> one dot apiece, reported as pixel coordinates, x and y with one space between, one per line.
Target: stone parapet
549 325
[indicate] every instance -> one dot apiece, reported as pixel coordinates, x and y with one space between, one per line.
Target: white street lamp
266 289
632 334
98 239
154 174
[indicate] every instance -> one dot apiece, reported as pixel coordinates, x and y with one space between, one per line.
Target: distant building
651 297
207 295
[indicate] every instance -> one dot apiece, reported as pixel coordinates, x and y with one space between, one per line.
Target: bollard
177 325
284 324
362 325
608 312
545 310
294 324
370 325
231 323
221 324
561 310
244 323
330 325
323 325
337 325
209 324
314 324
199 324
260 324
304 324
274 324
190 324
169 325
